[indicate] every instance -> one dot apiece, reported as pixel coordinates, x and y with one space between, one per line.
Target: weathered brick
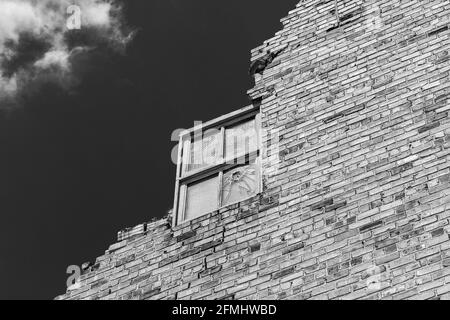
283 273
322 204
388 258
186 235
370 226
429 127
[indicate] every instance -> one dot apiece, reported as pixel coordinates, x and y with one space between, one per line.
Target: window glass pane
202 197
204 151
239 183
240 139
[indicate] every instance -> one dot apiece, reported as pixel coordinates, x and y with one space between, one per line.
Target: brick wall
359 204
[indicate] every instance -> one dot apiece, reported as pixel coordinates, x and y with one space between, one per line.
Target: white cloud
55 58
46 21
97 15
8 86
16 17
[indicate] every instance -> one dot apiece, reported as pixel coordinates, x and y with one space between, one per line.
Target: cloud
55 58
36 44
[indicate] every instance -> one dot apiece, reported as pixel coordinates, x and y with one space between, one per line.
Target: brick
429 127
186 235
255 247
370 226
322 204
293 248
150 293
283 273
388 258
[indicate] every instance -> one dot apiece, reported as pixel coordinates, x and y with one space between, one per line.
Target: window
218 165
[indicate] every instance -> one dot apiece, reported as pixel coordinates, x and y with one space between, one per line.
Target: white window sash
185 177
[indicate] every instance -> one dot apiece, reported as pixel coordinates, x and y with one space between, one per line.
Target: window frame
184 178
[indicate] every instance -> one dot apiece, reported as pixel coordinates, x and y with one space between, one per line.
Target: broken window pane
204 151
239 183
240 139
202 197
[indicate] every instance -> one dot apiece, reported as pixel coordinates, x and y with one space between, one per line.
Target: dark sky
76 168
